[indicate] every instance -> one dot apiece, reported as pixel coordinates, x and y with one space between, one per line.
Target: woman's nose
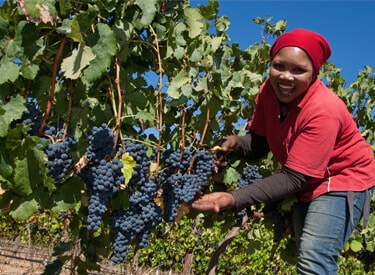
286 75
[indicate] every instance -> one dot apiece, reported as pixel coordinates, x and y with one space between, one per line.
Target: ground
21 259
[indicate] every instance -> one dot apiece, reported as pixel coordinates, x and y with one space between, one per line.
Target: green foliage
160 71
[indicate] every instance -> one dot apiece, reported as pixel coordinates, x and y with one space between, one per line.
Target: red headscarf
314 44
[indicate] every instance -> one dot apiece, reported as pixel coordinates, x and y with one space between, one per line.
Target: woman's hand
227 144
222 148
214 202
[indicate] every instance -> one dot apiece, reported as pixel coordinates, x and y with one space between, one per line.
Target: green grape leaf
22 209
22 185
177 82
4 32
68 196
103 44
145 115
230 176
8 71
81 24
29 70
355 245
195 21
13 110
73 65
222 23
148 8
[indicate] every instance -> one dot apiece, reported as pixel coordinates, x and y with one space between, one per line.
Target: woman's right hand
227 144
222 148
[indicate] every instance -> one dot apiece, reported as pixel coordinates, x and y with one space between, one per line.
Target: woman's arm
270 189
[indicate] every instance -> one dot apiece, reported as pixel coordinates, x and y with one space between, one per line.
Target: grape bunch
102 174
106 178
366 256
60 161
101 142
180 184
32 117
249 175
144 214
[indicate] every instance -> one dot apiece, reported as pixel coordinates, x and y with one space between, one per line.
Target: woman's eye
277 66
299 70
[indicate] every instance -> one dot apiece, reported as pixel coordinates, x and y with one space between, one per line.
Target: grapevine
136 222
181 185
60 162
84 73
102 174
250 174
180 181
32 117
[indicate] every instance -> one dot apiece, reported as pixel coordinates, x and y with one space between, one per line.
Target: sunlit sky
349 26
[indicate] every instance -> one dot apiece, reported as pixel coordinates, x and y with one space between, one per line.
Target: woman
325 160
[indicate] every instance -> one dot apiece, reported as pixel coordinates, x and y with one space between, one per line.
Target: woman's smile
285 90
291 74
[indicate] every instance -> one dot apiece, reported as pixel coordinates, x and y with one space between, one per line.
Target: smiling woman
291 74
296 58
326 162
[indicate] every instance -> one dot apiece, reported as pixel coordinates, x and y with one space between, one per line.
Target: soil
21 259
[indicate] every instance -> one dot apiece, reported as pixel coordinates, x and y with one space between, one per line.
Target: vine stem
160 99
224 243
208 111
69 113
51 98
208 120
119 106
189 256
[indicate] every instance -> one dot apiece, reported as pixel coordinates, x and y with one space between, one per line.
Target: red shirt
318 138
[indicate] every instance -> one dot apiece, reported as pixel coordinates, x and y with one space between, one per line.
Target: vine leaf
68 196
178 81
103 44
355 245
195 21
8 71
73 65
21 185
230 175
144 115
11 111
24 209
81 23
128 166
38 11
148 8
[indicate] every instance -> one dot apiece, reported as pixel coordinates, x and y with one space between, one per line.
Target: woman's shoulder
325 98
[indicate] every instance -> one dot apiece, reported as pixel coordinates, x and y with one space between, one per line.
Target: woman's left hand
214 202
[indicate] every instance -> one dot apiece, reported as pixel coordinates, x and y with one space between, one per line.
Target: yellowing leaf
160 202
182 209
128 168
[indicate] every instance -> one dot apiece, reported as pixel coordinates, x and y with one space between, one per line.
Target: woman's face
291 74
